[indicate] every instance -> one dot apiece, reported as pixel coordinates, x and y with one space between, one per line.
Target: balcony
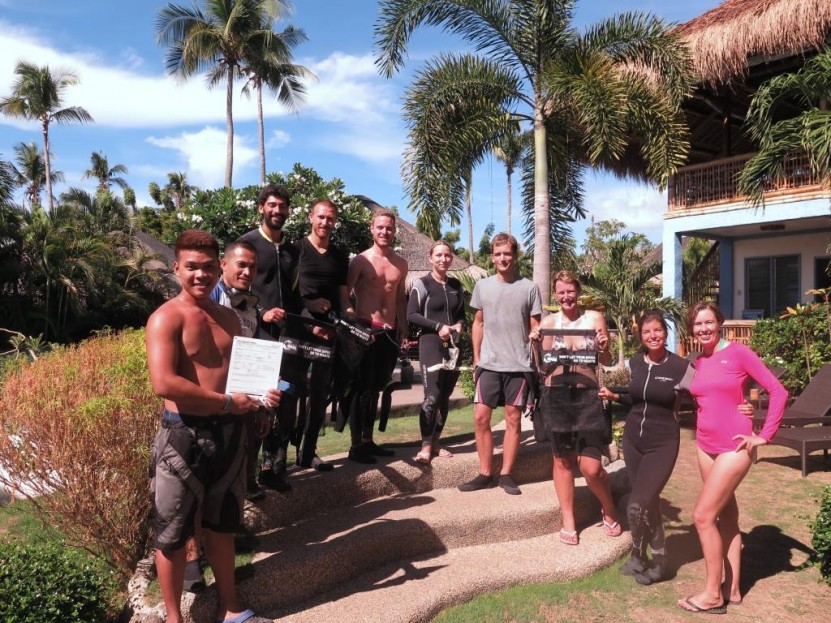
715 183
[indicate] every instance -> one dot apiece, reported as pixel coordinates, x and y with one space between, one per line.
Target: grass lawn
401 431
777 506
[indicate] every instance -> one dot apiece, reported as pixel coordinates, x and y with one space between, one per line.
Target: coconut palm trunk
47 162
229 125
469 215
261 130
542 228
508 207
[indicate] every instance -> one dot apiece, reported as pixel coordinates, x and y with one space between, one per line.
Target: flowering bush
228 213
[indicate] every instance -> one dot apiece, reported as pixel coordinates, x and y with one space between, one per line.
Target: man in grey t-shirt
508 308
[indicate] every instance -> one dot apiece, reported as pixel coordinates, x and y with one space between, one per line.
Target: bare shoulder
598 319
168 317
399 262
548 322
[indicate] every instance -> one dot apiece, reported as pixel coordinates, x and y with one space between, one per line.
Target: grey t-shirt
506 310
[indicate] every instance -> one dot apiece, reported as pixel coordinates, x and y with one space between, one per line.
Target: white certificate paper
255 366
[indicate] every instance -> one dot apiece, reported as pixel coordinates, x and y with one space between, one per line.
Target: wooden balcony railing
716 182
734 330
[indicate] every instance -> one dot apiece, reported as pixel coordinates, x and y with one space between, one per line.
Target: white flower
195 218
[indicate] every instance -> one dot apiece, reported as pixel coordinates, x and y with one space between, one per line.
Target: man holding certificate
198 456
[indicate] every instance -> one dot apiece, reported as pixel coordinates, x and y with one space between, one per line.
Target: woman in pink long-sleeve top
726 445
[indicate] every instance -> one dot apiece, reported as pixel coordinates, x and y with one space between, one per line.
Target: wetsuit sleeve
686 380
458 311
415 308
760 373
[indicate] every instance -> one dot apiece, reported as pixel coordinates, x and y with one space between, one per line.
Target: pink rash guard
718 388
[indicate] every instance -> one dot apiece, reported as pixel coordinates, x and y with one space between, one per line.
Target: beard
276 221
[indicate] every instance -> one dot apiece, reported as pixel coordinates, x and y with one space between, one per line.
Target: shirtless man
189 341
508 309
376 277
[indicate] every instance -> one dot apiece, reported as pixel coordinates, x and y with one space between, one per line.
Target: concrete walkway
397 542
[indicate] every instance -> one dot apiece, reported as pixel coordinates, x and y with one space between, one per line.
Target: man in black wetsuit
274 285
321 279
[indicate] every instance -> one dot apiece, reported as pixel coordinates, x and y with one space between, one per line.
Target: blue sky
350 128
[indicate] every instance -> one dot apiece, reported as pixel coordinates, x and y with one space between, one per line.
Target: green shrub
467 384
51 583
821 539
779 342
75 431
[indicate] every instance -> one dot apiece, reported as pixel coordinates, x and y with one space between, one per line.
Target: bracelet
228 399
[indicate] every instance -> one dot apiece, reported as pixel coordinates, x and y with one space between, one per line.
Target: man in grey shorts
198 457
508 308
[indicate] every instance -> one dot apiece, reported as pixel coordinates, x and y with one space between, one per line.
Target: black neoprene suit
650 444
432 305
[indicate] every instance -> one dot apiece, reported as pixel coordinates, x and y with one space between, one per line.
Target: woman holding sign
573 343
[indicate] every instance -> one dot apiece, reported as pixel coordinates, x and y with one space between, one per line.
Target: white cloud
205 154
348 88
278 140
640 207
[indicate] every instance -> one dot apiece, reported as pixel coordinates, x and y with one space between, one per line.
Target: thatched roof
726 40
415 248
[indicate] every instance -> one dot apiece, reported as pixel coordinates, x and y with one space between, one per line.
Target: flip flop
240 618
569 538
695 608
610 529
443 454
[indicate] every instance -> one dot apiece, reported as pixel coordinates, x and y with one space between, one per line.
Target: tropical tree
270 65
37 94
30 171
8 182
778 134
592 92
218 39
106 175
509 151
623 286
172 196
107 212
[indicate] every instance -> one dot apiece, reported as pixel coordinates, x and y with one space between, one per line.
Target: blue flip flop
241 617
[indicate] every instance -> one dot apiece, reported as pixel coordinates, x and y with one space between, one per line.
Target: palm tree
509 151
218 40
623 286
810 130
30 171
269 64
106 175
38 94
172 196
624 77
107 212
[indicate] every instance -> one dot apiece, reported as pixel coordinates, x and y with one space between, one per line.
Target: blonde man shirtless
376 278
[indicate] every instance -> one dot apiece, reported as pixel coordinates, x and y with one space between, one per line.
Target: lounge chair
805 440
812 406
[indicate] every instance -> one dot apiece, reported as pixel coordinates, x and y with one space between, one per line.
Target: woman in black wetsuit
650 441
436 305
